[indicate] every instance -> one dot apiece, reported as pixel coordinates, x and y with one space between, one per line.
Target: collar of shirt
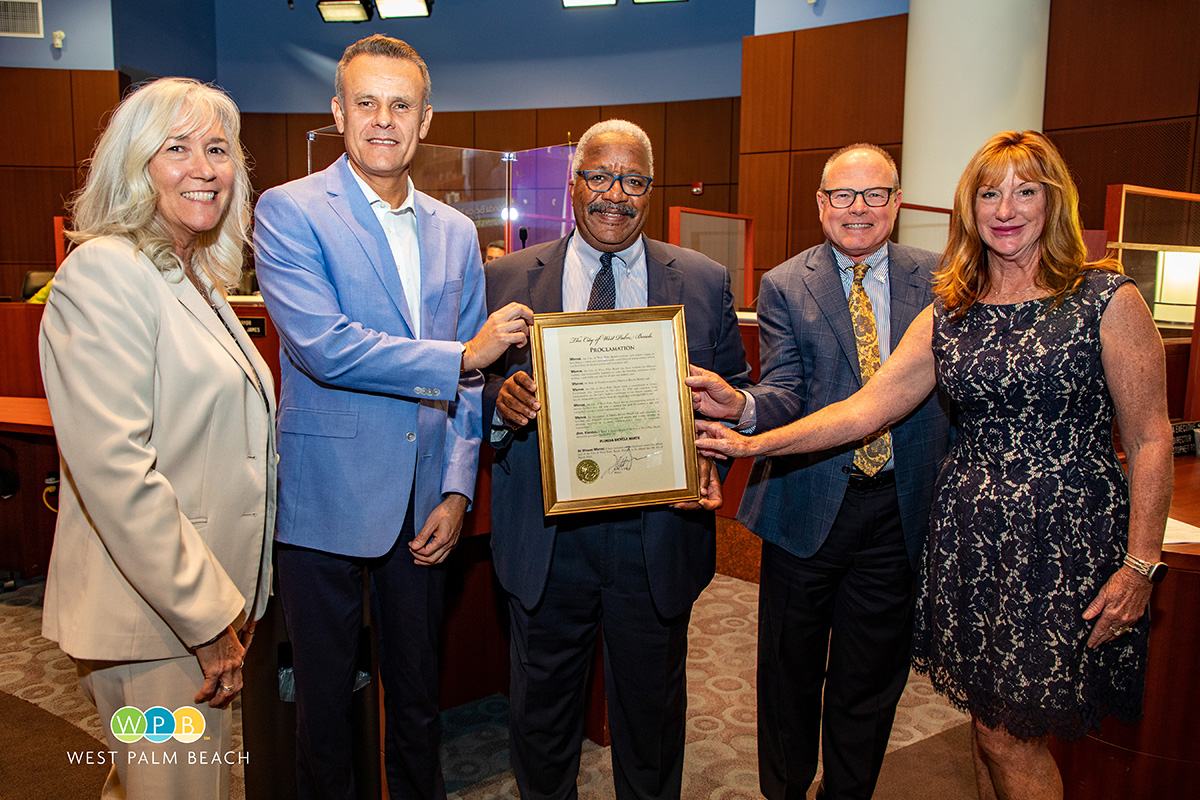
400 228
379 205
581 264
877 267
878 291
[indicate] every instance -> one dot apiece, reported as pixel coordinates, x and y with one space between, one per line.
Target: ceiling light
585 3
344 10
389 9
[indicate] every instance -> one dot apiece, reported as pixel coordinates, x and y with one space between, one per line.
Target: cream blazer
165 428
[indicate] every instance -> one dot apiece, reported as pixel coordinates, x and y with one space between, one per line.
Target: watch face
1157 572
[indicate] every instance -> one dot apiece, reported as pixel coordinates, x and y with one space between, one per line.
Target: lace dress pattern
1030 518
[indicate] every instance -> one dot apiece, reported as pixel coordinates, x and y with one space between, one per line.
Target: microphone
523 235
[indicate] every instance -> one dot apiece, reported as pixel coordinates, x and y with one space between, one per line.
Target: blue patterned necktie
604 287
876 449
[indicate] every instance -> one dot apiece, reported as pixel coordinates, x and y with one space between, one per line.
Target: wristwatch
1150 570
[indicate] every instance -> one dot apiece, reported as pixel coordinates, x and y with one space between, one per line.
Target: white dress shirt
400 228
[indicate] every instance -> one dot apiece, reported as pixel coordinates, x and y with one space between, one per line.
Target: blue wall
166 37
89 43
484 54
774 16
139 37
495 54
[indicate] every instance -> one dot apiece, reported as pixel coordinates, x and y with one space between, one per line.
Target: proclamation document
615 429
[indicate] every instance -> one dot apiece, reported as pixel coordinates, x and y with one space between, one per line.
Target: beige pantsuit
163 412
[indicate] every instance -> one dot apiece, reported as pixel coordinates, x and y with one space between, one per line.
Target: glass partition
519 197
541 201
725 238
1156 236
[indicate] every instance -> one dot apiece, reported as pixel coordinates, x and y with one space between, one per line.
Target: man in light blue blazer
376 290
840 546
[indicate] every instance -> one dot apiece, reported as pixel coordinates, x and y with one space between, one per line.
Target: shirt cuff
749 419
499 429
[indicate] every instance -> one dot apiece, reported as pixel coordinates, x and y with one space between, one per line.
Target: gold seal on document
587 471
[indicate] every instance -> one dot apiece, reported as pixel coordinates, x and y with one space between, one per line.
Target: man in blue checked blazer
377 291
841 545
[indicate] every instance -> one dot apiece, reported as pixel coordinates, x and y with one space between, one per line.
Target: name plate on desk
1185 437
255 327
615 428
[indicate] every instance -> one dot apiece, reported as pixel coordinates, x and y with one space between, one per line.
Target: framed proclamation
615 425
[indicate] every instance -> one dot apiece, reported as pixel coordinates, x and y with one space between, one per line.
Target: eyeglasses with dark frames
600 181
875 197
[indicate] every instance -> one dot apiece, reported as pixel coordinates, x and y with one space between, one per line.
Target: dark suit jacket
810 360
679 546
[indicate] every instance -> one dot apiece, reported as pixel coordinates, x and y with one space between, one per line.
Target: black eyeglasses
600 181
875 197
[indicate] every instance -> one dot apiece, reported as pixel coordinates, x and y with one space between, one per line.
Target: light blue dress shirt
582 262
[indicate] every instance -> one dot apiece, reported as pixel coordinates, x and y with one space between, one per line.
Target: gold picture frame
615 427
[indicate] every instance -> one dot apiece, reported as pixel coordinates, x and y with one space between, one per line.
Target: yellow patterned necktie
876 449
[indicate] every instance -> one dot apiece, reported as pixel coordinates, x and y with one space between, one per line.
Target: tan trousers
170 769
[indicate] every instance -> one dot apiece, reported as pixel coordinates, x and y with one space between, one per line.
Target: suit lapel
826 287
664 281
351 206
432 246
207 317
545 280
908 298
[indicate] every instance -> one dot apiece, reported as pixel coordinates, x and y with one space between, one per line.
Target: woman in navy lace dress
1040 560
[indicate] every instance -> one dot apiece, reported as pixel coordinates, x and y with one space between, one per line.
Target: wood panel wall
1123 106
41 160
1122 103
799 107
41 153
694 141
1123 95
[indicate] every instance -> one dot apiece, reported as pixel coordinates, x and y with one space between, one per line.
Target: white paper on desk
1180 532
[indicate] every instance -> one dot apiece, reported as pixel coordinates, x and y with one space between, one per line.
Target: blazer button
410 436
846 470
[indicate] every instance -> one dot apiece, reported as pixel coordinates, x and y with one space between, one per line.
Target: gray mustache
604 206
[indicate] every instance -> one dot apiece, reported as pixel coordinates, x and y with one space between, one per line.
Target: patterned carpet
720 761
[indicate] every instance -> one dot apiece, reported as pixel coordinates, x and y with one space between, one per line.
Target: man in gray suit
842 529
639 570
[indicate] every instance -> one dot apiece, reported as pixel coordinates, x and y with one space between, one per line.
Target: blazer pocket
305 421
